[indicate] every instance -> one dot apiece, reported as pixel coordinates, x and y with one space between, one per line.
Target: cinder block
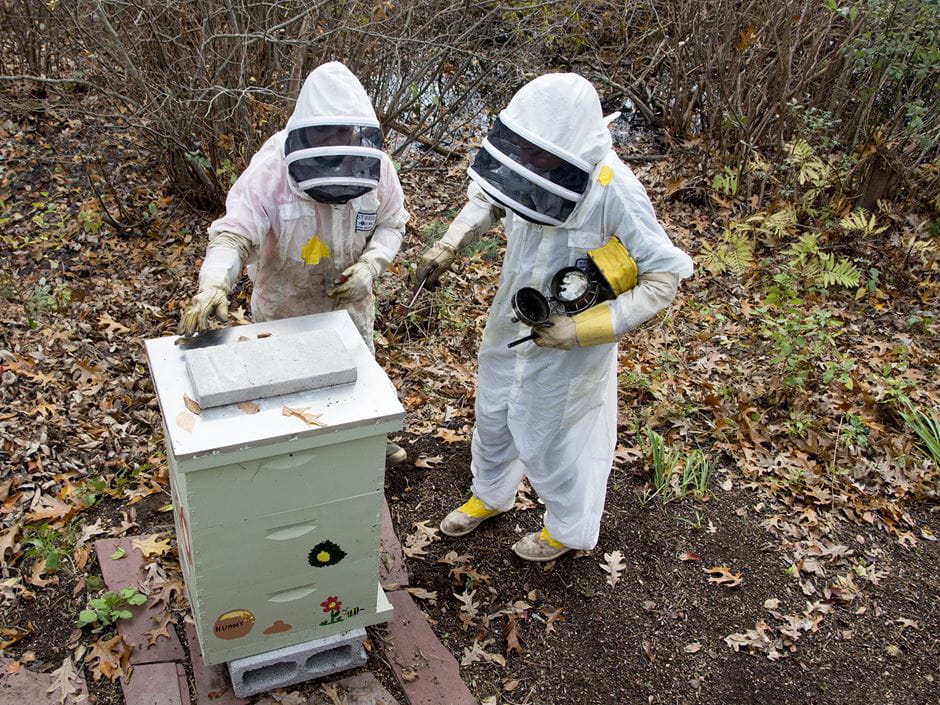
298 663
265 367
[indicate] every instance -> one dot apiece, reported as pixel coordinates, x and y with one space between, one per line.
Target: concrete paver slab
424 668
126 572
156 684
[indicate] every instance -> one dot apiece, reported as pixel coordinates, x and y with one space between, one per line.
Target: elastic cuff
595 326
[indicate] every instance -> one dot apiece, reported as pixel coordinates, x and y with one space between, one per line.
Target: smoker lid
368 398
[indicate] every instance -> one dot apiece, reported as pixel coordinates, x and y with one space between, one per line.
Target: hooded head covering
538 159
334 141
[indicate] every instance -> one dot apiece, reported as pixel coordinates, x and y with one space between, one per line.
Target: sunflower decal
325 553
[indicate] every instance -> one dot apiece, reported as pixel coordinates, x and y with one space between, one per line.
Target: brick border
425 670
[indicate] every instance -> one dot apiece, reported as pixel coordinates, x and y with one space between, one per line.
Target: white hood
331 94
561 112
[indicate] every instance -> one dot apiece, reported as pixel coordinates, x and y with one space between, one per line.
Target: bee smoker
572 289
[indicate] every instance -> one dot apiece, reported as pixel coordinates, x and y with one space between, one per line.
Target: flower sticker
325 553
332 605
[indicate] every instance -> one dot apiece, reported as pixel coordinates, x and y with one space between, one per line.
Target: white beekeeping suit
548 410
317 215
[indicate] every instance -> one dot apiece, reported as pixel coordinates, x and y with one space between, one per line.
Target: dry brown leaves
416 543
109 658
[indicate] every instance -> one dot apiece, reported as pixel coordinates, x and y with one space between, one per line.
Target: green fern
810 168
837 272
858 222
776 224
735 252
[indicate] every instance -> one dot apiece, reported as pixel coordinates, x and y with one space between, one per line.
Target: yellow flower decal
314 251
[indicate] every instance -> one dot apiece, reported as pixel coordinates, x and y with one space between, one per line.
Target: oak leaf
152 545
67 684
614 566
722 575
109 658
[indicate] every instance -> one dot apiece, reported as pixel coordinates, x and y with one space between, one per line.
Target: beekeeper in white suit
548 410
317 216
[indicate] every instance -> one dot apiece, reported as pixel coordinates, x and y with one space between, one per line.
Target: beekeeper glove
219 272
475 218
437 260
355 283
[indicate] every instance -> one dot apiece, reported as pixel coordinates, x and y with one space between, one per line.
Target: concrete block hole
274 673
330 658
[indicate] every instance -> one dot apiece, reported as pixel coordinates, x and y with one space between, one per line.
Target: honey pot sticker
234 624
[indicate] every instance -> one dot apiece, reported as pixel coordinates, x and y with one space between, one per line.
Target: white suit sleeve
660 264
474 219
390 221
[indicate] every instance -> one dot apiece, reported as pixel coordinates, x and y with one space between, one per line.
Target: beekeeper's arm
232 240
474 219
356 280
656 266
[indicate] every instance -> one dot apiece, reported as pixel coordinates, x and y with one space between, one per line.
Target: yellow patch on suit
314 250
605 175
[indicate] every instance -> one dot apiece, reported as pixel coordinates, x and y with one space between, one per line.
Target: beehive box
277 518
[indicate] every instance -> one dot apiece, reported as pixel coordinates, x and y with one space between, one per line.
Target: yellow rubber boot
467 517
539 547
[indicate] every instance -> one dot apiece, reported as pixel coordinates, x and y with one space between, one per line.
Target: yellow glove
355 284
212 300
437 260
592 327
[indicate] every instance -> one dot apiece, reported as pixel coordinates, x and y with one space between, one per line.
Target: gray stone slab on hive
298 663
392 572
156 684
24 687
127 572
265 367
213 686
424 668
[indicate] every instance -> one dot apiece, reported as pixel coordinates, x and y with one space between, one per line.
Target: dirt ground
807 573
658 635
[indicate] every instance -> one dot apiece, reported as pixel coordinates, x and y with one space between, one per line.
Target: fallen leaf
552 616
614 566
118 554
46 508
35 575
721 575
692 648
408 675
185 421
449 436
67 684
307 417
192 405
689 556
451 558
331 691
152 545
422 594
249 407
511 685
771 604
477 653
11 635
109 659
162 629
424 461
